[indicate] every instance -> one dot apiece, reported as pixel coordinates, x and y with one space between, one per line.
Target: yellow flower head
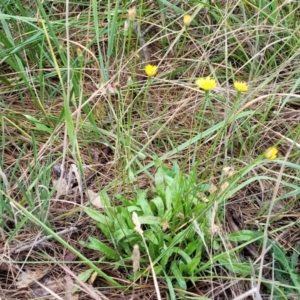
151 70
187 19
241 86
271 153
131 13
206 83
79 52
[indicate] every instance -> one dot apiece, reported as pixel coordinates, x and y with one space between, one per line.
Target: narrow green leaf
178 275
170 286
97 245
234 266
183 254
97 216
242 236
169 202
143 202
175 8
104 229
159 204
122 233
166 254
84 276
150 236
150 220
191 266
159 181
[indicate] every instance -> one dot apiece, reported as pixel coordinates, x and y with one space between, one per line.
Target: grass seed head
135 258
136 222
131 13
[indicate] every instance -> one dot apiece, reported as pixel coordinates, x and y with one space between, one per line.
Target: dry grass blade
29 277
43 239
252 292
92 293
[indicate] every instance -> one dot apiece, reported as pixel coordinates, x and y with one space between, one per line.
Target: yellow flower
131 13
206 83
271 153
151 70
241 86
79 52
187 19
